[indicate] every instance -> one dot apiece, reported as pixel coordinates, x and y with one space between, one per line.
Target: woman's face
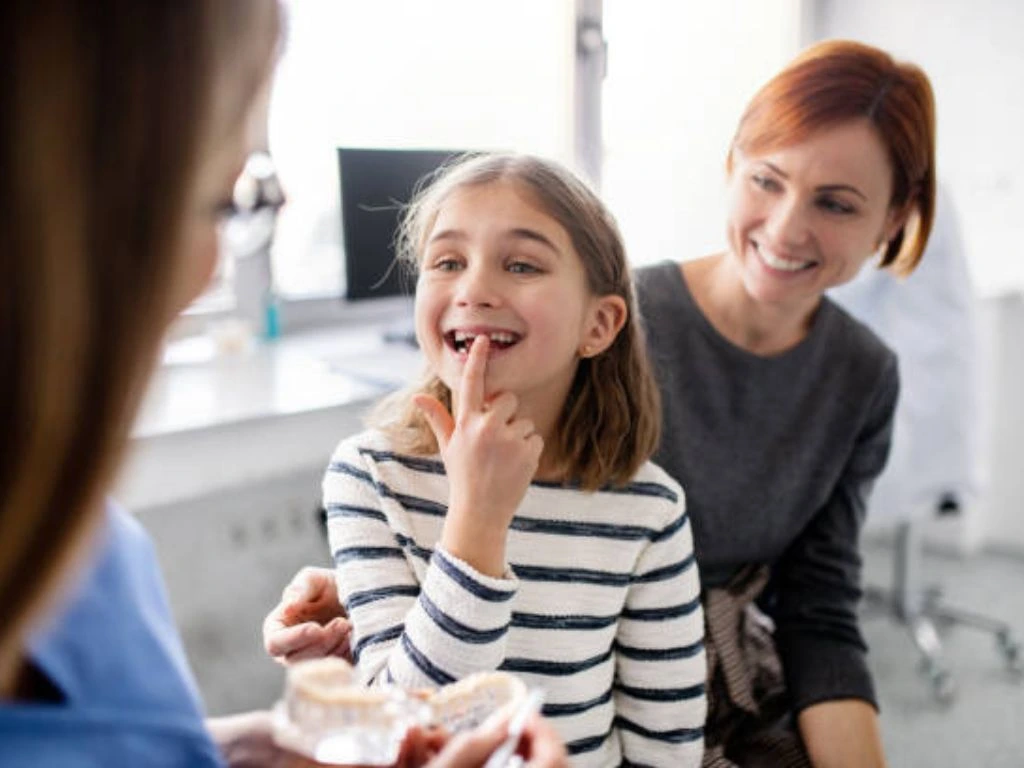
209 202
805 218
239 116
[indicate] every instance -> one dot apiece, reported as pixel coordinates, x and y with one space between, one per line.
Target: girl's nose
477 288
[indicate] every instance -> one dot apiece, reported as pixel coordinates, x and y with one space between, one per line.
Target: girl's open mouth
460 341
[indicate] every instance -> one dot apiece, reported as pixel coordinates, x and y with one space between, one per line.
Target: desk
224 421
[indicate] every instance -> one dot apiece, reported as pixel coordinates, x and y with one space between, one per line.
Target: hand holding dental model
490 455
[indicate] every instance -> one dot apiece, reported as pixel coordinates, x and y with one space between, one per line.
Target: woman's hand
309 622
246 741
490 456
539 746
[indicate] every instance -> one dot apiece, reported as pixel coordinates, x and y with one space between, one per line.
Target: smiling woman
778 407
122 130
805 217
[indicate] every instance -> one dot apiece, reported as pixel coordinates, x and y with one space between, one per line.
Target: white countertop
292 375
211 422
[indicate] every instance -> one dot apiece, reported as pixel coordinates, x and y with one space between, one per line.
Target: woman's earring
585 350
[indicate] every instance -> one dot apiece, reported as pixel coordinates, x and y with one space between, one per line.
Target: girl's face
805 218
494 263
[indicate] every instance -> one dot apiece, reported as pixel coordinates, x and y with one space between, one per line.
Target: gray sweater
777 456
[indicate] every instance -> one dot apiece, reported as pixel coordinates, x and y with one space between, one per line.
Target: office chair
921 610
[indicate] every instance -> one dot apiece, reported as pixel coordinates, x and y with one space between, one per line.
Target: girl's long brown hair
611 421
106 106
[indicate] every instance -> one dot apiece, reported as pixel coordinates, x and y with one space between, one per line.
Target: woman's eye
833 205
764 182
224 209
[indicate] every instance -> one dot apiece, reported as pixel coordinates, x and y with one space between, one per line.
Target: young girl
504 515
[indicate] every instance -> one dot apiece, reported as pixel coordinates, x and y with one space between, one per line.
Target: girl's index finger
471 388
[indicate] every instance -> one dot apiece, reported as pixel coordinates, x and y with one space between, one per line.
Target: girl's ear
607 316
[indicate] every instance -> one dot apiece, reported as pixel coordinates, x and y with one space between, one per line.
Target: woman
781 405
778 407
124 126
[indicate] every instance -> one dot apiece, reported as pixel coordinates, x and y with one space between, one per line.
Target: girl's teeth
498 336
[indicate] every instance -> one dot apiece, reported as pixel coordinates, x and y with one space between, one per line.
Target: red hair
840 80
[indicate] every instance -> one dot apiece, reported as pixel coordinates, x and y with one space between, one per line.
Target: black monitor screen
375 184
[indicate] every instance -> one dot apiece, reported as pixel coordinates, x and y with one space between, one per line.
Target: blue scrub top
114 653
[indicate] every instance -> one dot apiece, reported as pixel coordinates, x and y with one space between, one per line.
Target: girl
504 515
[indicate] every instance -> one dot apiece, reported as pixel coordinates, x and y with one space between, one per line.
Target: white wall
679 75
1003 504
973 54
458 74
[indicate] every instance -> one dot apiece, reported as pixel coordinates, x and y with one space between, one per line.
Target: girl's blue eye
446 265
521 268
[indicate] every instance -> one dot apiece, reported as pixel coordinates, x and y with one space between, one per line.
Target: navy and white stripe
599 605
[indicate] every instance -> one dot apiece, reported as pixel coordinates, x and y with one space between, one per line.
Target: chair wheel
1011 651
940 681
943 686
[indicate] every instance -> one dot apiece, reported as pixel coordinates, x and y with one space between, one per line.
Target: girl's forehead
499 200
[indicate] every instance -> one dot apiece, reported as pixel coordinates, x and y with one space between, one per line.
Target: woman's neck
757 327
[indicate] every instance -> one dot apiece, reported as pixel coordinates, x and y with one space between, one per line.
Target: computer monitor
375 184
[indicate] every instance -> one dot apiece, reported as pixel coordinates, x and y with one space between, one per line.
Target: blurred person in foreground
124 126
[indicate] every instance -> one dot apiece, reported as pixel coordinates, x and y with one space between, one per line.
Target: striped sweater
599 606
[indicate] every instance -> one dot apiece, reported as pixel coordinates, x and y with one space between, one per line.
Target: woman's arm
842 734
661 670
816 592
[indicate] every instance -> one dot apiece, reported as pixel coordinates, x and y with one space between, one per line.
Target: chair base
922 612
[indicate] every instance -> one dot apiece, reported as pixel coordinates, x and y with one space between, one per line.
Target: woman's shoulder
844 334
857 359
658 284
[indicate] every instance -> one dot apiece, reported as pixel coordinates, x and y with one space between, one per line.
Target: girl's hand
490 455
309 622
